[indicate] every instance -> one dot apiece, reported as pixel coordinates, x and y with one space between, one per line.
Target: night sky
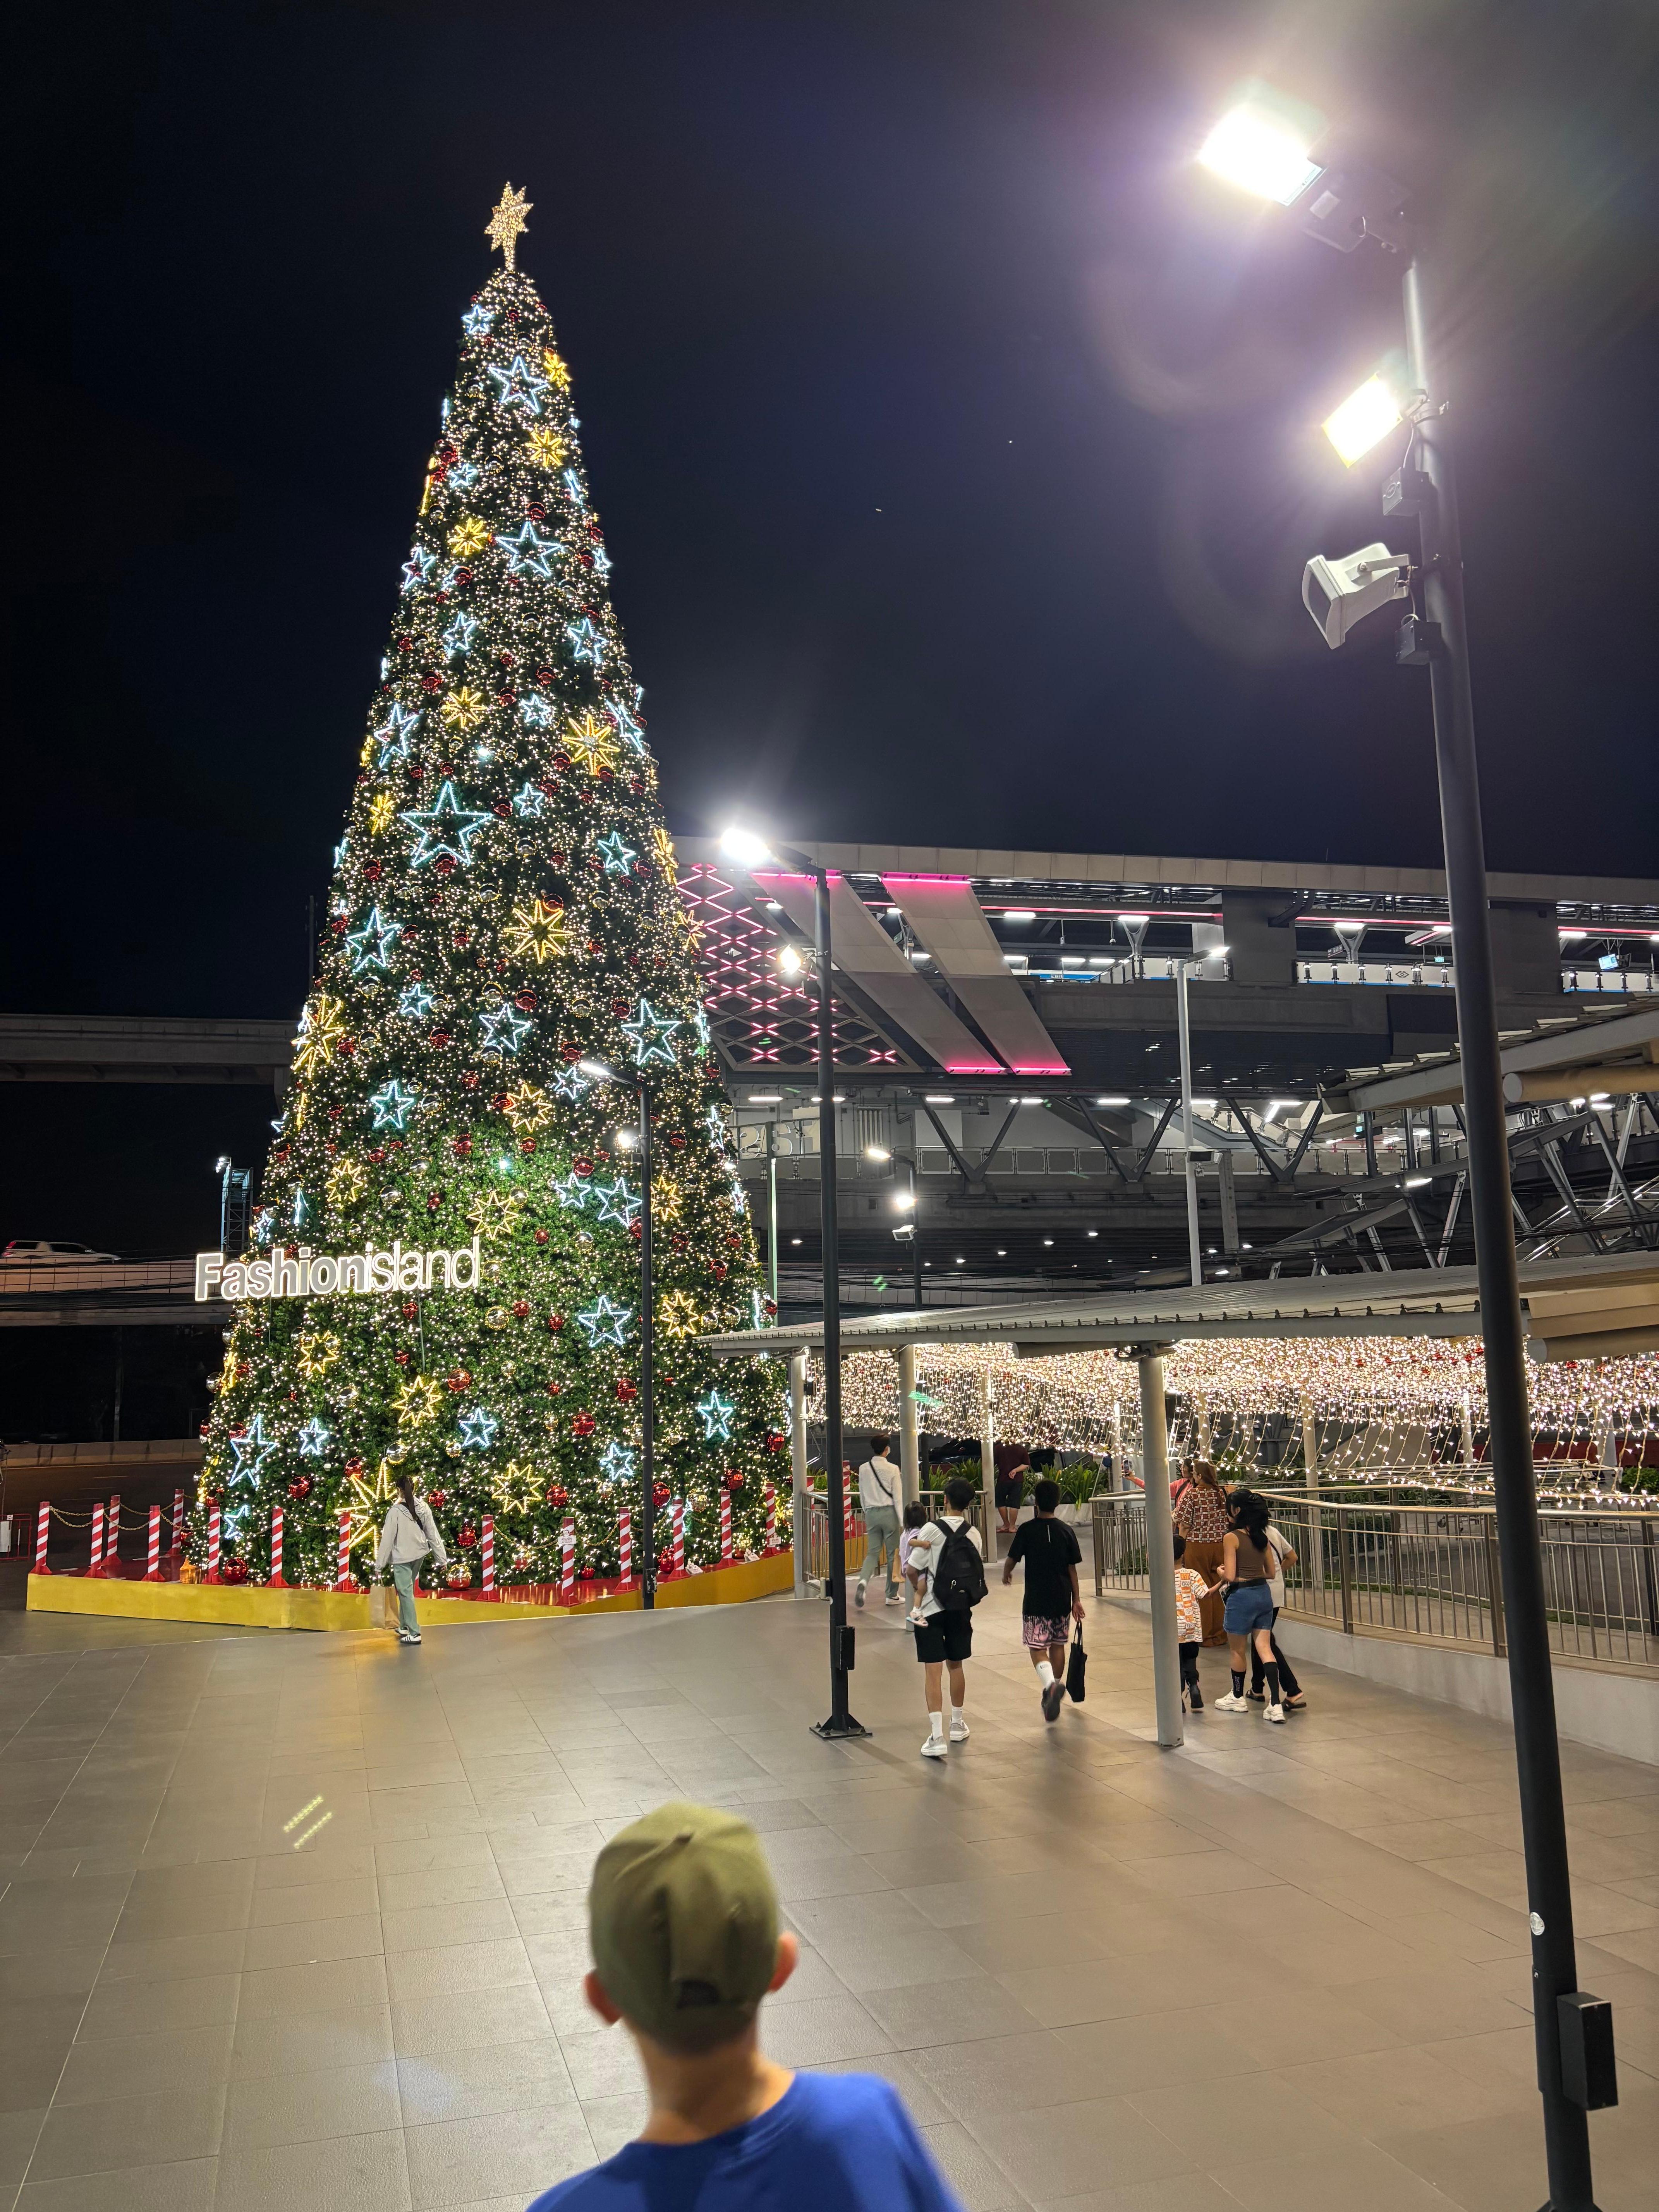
954 441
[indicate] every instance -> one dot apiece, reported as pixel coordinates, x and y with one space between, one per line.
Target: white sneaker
958 1731
936 1747
1276 1713
858 1596
1231 1705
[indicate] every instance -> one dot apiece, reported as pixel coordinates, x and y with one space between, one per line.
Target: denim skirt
1250 1606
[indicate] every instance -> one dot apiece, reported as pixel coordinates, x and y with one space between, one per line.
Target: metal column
1194 1244
1160 1547
909 1426
802 1514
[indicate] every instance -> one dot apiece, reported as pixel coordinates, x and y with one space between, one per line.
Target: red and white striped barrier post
677 1557
771 1518
213 1543
276 1580
95 1562
726 1524
177 1543
487 1548
847 1515
624 1546
112 1531
567 1563
342 1579
42 1531
152 1563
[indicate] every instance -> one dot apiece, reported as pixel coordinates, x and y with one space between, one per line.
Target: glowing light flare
1261 145
1364 417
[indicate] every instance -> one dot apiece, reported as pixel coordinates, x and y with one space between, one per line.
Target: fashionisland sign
308 1275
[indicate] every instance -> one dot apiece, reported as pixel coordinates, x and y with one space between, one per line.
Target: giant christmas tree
503 909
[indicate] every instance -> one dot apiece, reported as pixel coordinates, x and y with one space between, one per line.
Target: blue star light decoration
393 1103
627 728
605 1322
715 1414
601 560
617 857
505 1029
617 1462
715 1121
464 476
573 484
617 1202
476 321
445 826
535 712
519 386
300 1210
417 1003
264 1221
458 638
395 733
371 945
252 1452
571 1083
478 1429
529 553
418 568
585 642
649 1032
572 1192
313 1438
529 802
700 1022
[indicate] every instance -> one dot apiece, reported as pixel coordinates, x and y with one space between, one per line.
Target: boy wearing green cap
684 1921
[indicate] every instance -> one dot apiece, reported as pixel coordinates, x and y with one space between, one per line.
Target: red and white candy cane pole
178 1543
487 1545
771 1518
624 1546
726 1524
213 1543
677 1563
567 1563
153 1562
112 1530
277 1582
95 1561
847 1515
342 1580
42 1531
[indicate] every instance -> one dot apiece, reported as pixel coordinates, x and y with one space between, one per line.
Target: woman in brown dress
1201 1515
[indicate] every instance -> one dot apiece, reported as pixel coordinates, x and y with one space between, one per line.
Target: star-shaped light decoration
518 385
585 642
527 1108
250 1451
464 708
537 932
371 945
394 734
677 1314
715 1121
627 727
346 1183
417 1003
393 1103
667 1199
445 826
529 802
505 1029
594 741
518 1488
546 446
650 1032
321 1027
477 320
601 559
469 538
382 811
555 368
617 1462
572 1192
318 1352
535 712
367 1502
605 1322
464 476
573 484
617 1202
715 1414
700 1022
478 1429
529 553
458 638
571 1083
507 222
313 1438
493 1213
617 857
419 1400
418 566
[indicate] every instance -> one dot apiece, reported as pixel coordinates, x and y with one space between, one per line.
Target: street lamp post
648 1339
754 852
1195 1246
1345 209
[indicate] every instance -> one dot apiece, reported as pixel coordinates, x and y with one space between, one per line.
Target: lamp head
747 849
1261 144
597 1070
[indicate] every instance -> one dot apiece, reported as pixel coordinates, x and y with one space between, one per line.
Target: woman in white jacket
408 1534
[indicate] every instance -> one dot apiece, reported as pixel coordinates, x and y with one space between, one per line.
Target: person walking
879 1485
1280 1554
407 1535
1250 1606
1201 1515
946 1557
1012 1466
1191 1590
1052 1600
915 1519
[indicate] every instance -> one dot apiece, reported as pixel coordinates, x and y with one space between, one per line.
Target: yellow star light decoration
369 1497
492 1212
664 845
555 368
463 709
347 1183
419 1400
518 1488
537 932
321 1027
468 538
547 447
667 1199
507 222
382 812
594 740
318 1352
527 1109
677 1314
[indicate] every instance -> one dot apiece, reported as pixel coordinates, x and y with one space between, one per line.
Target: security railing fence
1431 1572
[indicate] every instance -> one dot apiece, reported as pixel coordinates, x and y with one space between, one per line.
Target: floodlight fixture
597 1071
1364 417
877 1152
904 1201
789 961
1337 593
746 849
1261 144
625 1140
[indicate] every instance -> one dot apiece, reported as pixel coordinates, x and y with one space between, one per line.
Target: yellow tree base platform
245 1605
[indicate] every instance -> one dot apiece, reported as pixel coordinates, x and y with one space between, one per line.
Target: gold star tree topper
508 221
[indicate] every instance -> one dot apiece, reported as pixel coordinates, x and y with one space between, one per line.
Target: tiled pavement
1284 1968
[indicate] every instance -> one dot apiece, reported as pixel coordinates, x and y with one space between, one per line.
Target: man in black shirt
1052 1599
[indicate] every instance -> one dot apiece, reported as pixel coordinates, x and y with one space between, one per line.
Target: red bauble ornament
299 1488
636 1230
581 1167
521 1309
619 1007
583 1426
466 1538
436 1500
659 1493
557 1494
233 1571
432 682
446 864
626 1391
347 1046
719 1274
459 1380
541 1237
405 645
734 1478
354 1468
775 1440
556 1389
500 808
372 873
462 1148
468 1082
526 1144
525 1002
402 1359
409 1310
554 1323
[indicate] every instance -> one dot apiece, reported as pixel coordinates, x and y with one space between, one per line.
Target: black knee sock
1238 1681
1271 1670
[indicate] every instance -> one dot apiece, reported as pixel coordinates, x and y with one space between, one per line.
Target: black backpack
959 1577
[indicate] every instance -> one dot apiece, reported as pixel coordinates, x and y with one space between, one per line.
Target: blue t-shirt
833 2143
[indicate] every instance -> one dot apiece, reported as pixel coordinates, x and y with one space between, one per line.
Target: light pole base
828 1731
